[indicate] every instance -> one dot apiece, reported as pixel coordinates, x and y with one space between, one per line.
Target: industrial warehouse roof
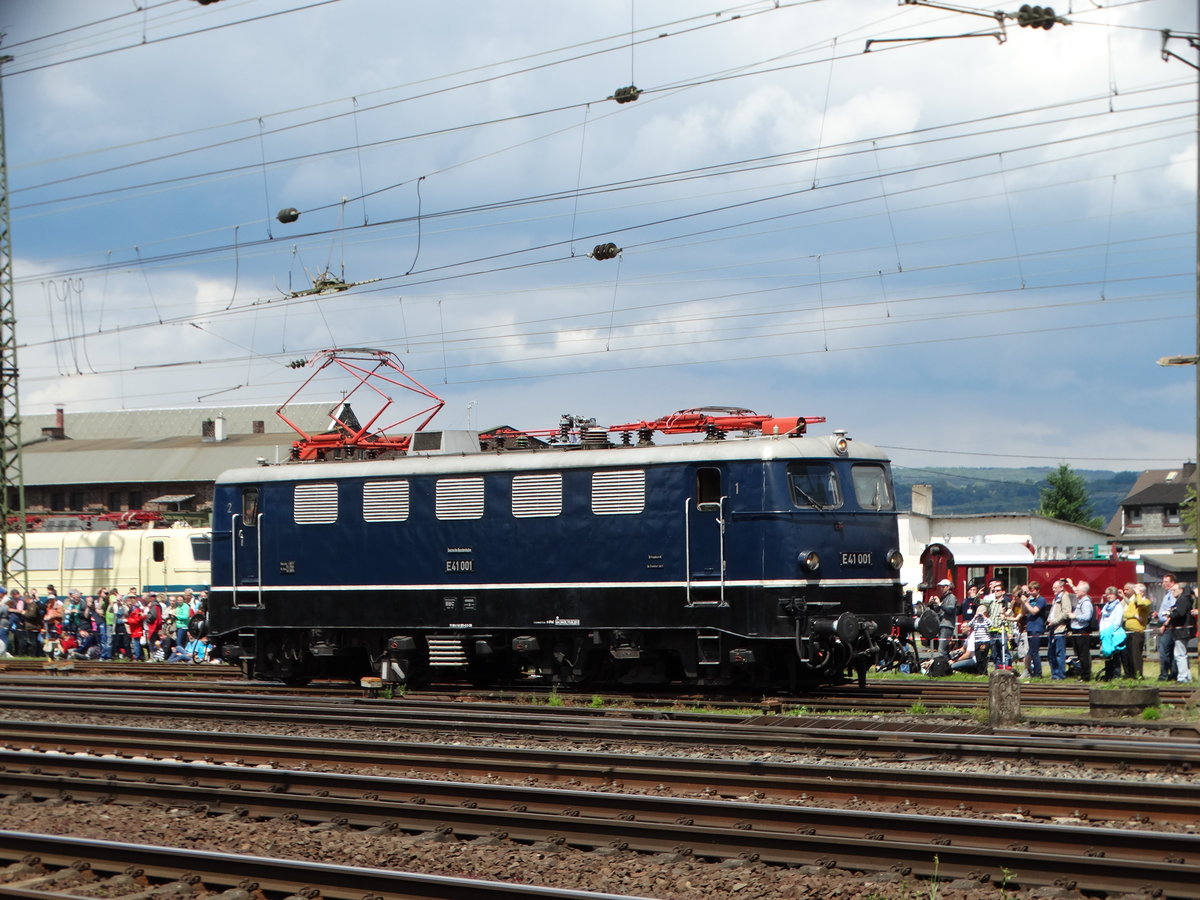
184 459
161 423
159 445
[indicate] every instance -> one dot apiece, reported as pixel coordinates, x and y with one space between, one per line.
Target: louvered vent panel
385 501
315 504
536 495
460 498
618 493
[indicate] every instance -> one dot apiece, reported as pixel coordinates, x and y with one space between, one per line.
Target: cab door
704 516
155 576
246 550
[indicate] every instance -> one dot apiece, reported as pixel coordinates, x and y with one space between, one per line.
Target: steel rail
1095 858
1032 794
768 733
275 875
881 695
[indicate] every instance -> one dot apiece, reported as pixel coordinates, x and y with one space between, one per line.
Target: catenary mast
12 480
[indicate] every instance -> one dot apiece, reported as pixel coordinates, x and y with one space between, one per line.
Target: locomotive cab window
708 488
872 489
249 506
814 485
159 550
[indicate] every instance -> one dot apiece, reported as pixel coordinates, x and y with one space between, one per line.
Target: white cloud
999 269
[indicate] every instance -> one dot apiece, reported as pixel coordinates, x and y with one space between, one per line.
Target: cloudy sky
970 251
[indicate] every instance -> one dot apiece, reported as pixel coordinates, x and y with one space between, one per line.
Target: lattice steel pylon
12 479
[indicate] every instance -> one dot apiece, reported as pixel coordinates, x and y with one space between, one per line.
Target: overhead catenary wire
73 28
777 5
742 71
171 37
660 236
204 148
438 339
255 304
436 280
855 148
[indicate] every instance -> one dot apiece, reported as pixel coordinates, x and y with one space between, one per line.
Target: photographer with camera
1083 623
1057 625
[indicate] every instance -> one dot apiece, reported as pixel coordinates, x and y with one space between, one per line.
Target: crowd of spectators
132 626
994 628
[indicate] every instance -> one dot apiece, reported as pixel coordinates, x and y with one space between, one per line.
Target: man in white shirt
1166 635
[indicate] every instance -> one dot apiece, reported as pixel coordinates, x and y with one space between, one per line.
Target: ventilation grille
460 498
385 501
537 495
618 493
446 652
315 504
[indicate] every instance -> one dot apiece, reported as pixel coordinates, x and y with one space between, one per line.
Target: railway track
807 736
927 845
40 867
1044 827
1032 795
880 696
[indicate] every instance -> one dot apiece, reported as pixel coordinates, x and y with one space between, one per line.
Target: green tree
1066 497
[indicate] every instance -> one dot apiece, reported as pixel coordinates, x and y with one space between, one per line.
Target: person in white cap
946 606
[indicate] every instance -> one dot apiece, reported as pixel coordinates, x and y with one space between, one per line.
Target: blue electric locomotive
769 560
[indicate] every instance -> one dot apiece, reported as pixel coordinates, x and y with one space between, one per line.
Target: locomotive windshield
814 485
872 488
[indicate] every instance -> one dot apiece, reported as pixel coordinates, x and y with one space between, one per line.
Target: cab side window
814 485
872 487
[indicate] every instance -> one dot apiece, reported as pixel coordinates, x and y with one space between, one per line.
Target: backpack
1181 618
939 667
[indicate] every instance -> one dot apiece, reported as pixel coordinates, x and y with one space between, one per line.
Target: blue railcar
768 560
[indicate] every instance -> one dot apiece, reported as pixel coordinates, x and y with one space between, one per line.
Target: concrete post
1004 698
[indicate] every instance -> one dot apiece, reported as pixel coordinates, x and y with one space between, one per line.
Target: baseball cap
945 582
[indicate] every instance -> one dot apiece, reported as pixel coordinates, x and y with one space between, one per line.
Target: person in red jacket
135 619
153 622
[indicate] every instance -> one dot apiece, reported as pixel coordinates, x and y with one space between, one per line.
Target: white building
1050 538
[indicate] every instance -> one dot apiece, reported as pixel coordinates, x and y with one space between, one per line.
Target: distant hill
991 490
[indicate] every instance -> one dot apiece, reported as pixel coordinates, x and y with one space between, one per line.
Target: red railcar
1013 563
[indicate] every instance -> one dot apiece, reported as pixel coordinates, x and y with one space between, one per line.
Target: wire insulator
626 94
605 251
1036 17
288 215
